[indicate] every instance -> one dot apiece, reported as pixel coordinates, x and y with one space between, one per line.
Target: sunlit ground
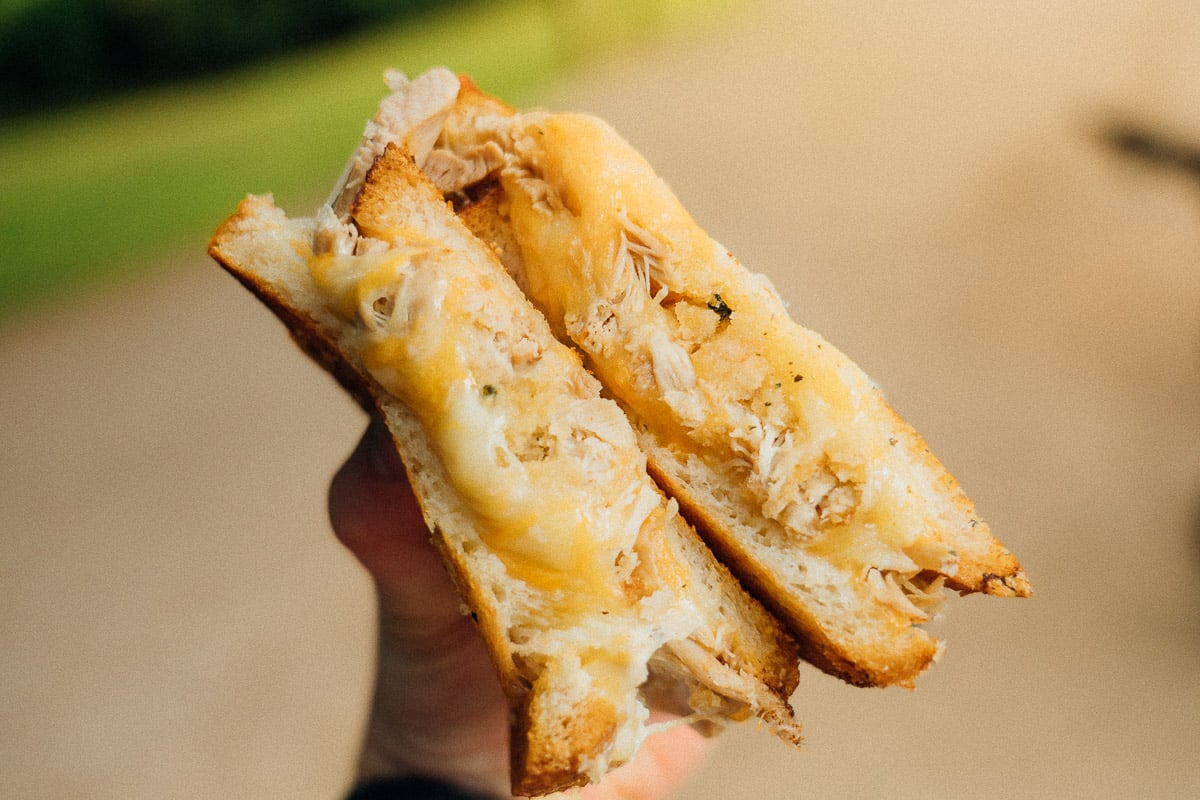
935 188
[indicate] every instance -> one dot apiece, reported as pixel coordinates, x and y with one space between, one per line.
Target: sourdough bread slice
593 595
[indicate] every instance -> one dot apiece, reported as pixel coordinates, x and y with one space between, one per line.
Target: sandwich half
595 597
776 446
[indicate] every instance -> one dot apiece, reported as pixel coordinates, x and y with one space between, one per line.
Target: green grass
96 194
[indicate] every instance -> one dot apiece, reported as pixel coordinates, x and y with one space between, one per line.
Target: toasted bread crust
984 564
896 664
303 329
546 760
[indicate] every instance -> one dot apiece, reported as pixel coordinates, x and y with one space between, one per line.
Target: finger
376 516
438 709
663 762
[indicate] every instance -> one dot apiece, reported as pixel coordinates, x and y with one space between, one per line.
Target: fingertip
376 516
663 764
381 453
371 505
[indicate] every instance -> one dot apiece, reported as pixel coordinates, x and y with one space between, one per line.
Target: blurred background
994 208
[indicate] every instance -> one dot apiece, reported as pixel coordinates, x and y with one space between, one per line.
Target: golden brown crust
473 100
986 567
545 761
897 664
303 330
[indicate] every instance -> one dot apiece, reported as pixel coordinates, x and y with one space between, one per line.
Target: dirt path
927 189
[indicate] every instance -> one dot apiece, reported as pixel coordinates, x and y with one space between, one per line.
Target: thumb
374 513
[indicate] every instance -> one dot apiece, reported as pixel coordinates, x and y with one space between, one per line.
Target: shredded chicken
774 470
886 587
453 171
603 426
332 235
834 501
413 117
541 195
926 595
641 253
673 371
519 345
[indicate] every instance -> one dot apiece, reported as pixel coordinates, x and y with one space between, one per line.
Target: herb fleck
721 308
488 390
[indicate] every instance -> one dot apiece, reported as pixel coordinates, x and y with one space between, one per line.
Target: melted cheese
347 281
581 193
541 520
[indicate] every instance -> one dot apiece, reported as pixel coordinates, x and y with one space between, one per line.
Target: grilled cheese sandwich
776 445
593 594
606 418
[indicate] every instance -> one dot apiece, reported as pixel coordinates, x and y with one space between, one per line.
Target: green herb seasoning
721 308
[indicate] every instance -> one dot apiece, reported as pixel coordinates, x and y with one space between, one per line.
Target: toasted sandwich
596 599
650 484
777 446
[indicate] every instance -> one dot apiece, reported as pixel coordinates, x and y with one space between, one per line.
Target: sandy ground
928 187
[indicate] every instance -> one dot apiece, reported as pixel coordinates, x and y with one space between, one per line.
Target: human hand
438 709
